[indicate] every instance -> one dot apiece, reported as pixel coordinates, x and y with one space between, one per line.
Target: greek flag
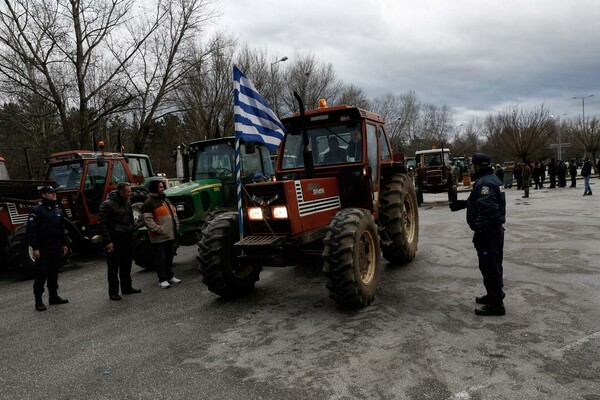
254 119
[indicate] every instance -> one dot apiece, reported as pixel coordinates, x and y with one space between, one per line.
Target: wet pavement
419 340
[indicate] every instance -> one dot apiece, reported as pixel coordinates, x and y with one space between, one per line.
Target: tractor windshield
3 172
218 161
339 144
67 176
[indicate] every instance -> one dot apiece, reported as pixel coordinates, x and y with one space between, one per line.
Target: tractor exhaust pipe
307 151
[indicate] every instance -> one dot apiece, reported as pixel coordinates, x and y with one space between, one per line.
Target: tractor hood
194 186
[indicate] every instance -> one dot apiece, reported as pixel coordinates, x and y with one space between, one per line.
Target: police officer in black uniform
486 213
46 236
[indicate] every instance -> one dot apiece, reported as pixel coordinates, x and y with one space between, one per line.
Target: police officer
486 213
46 236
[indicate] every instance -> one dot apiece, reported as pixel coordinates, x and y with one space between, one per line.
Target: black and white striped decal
315 206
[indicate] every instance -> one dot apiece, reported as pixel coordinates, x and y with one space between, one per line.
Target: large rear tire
352 258
400 218
21 255
142 248
218 263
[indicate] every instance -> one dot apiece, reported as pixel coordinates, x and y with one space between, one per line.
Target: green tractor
209 189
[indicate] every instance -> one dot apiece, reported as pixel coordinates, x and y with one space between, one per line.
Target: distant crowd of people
527 174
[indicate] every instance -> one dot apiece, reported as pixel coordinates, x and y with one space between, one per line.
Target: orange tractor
338 190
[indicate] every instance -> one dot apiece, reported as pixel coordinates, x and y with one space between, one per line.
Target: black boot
485 299
56 299
39 304
491 309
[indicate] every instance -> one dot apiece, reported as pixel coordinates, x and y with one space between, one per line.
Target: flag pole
238 185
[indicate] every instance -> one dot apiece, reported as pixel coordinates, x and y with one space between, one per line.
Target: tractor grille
183 201
267 195
273 193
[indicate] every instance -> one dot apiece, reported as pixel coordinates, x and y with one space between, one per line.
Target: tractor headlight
280 212
180 207
255 214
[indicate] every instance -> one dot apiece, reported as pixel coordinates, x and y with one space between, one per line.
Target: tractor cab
345 143
84 178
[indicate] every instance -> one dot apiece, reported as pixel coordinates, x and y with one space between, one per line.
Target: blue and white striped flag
254 119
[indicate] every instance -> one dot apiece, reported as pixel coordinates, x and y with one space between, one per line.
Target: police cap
481 159
47 189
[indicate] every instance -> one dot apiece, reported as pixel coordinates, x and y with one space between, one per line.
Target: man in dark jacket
586 172
562 174
552 171
116 228
46 236
486 213
573 173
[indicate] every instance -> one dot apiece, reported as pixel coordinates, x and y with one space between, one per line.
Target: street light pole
583 108
559 138
273 94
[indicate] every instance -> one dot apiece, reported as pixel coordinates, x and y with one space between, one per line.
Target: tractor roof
72 155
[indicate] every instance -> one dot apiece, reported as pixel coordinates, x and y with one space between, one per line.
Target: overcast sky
476 56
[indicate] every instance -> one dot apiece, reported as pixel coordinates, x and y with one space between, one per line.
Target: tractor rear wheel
21 254
142 248
219 265
352 258
399 216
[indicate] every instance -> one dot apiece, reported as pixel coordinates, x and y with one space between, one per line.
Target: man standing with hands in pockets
116 228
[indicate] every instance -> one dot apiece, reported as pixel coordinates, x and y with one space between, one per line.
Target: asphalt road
419 340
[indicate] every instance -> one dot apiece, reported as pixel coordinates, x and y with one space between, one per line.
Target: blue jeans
163 259
586 185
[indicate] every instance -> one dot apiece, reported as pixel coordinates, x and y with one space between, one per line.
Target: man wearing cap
486 213
46 236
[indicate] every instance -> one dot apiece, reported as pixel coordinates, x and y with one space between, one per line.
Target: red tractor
83 179
338 190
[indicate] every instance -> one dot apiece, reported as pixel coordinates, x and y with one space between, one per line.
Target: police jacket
115 216
45 226
486 205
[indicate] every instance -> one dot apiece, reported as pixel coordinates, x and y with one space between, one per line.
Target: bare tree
401 114
468 143
313 81
587 135
207 98
435 125
59 51
165 61
522 134
353 96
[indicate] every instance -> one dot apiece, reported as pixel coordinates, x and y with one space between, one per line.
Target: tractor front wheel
399 216
352 258
218 263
